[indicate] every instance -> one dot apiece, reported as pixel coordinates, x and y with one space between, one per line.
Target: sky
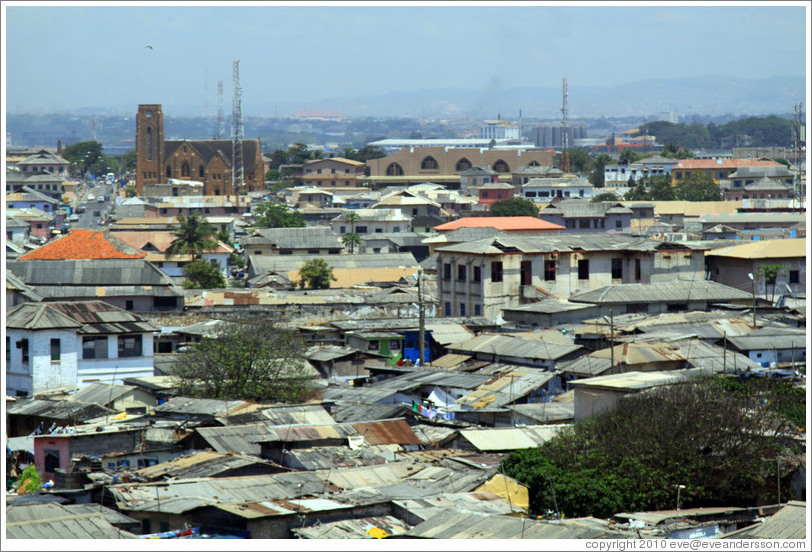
65 57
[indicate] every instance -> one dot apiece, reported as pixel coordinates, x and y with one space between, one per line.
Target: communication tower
221 124
237 176
565 156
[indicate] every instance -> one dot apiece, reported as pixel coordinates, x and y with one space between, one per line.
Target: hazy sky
67 57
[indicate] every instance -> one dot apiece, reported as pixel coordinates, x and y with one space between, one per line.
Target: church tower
149 144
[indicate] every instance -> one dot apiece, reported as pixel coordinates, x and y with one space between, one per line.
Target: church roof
208 149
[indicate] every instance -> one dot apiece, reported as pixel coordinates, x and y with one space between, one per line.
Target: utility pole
421 339
753 281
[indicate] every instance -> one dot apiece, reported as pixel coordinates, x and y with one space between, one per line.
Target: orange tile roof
500 223
83 244
725 163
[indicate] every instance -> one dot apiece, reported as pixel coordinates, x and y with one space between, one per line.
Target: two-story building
335 172
45 161
581 216
411 204
492 192
66 344
718 169
478 175
156 245
27 198
541 190
654 165
372 221
483 276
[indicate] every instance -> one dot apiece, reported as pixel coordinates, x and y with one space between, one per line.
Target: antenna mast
237 176
799 149
565 156
221 124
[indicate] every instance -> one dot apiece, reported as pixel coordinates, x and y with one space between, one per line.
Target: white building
541 190
68 344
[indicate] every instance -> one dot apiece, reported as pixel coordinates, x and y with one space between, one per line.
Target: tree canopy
604 196
316 274
202 275
698 187
253 360
351 240
514 207
720 437
274 214
194 235
598 178
655 188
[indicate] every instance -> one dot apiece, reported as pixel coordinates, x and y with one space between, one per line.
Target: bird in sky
148 46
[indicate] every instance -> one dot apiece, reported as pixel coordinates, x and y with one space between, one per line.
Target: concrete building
332 173
582 216
65 344
655 165
541 190
484 276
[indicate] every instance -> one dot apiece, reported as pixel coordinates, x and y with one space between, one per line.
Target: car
74 218
91 197
100 199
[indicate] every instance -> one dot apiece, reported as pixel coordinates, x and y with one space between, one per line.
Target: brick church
206 161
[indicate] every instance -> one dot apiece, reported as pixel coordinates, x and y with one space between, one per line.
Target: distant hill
710 95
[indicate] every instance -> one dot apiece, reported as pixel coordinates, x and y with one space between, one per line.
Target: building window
8 350
462 309
637 270
477 276
617 269
485 194
185 170
570 224
583 223
530 194
794 276
23 346
128 305
51 460
461 273
549 271
360 229
447 272
496 271
149 144
429 163
583 269
201 172
394 169
168 171
447 308
477 310
501 167
129 346
56 349
94 347
462 165
618 224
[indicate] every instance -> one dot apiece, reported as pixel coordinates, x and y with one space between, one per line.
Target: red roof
83 244
723 163
500 223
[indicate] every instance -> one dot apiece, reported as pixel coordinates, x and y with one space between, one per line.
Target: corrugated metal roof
675 291
514 347
763 249
788 523
510 384
454 524
201 464
357 528
635 381
512 438
58 410
53 521
101 393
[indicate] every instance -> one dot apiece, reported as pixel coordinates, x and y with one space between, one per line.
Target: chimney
58 147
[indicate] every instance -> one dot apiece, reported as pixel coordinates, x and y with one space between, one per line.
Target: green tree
202 275
351 218
638 193
316 274
274 214
193 236
273 175
369 152
720 437
224 237
782 161
770 273
130 191
298 154
604 196
597 177
515 207
29 480
629 156
127 162
351 240
698 187
250 359
579 160
83 155
660 188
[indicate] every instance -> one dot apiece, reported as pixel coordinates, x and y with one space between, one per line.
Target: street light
679 489
753 280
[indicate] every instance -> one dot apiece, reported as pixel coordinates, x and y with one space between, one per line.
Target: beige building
336 172
443 165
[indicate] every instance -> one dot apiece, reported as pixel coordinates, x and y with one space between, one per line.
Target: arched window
185 170
534 164
168 171
501 167
201 172
149 144
394 169
462 165
217 191
429 163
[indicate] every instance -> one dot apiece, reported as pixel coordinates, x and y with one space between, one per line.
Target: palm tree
352 218
350 240
194 235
